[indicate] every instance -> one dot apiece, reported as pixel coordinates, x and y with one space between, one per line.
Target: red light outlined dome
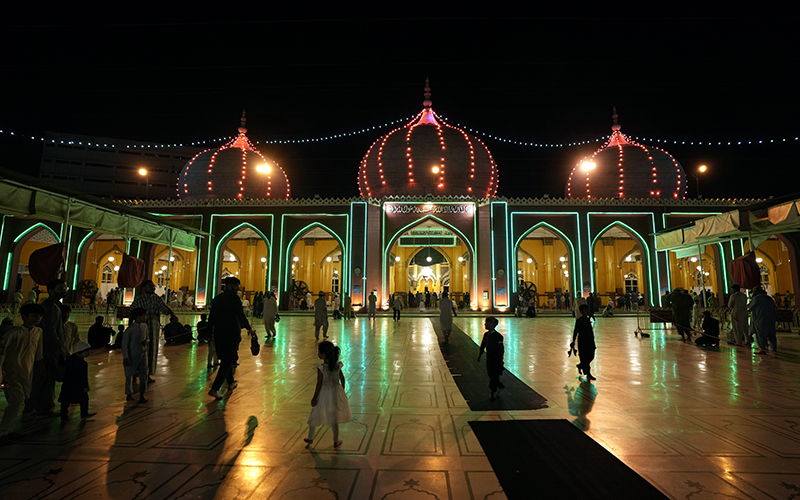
427 156
626 169
235 170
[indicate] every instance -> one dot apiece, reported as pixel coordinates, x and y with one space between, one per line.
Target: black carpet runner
461 355
554 459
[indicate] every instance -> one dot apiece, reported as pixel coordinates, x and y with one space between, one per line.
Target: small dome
625 169
235 170
427 156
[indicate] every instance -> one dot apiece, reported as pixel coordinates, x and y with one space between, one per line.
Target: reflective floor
697 423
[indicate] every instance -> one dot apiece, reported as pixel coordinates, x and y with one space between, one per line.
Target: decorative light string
365 130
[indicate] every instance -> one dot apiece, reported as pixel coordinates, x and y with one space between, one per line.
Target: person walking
347 309
321 316
737 303
492 344
75 388
134 353
421 302
584 333
397 306
269 311
446 312
227 321
372 302
155 307
42 399
329 406
22 346
762 320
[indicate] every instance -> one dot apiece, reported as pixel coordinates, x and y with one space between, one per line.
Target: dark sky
154 75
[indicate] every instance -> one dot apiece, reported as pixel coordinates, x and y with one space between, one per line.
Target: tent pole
169 266
702 275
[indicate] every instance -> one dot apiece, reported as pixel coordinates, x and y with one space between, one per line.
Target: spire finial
427 102
615 117
242 127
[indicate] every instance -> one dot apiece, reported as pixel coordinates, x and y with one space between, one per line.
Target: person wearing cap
227 320
321 316
75 388
155 307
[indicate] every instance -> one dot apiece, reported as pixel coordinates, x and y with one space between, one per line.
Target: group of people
753 319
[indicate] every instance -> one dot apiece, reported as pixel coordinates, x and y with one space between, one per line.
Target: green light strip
13 248
634 233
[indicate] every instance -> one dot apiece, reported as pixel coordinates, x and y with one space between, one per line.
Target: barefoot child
134 354
330 405
493 345
75 389
586 346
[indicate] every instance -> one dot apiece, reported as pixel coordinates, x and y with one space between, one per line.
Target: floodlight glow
530 260
702 168
116 268
699 268
397 259
693 259
296 258
588 165
262 169
263 259
435 170
562 259
143 172
429 259
759 260
111 259
163 268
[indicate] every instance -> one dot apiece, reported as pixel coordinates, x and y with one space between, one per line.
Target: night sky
167 77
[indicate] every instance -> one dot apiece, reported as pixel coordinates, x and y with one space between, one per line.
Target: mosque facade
429 217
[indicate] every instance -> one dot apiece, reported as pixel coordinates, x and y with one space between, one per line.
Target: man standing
737 303
372 304
762 320
493 345
42 398
584 334
321 316
227 320
446 312
558 300
682 313
155 307
397 306
268 313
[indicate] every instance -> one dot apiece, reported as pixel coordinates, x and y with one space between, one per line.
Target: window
161 279
764 275
335 283
108 274
631 283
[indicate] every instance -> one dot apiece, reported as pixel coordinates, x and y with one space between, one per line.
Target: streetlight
144 173
264 169
435 171
700 170
588 165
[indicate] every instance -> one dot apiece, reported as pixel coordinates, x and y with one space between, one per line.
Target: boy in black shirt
493 345
586 346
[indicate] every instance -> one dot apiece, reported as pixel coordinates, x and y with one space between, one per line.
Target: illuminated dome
625 169
427 156
235 170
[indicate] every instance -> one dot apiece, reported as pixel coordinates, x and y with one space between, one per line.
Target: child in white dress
330 405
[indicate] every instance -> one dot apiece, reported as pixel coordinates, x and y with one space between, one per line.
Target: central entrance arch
429 255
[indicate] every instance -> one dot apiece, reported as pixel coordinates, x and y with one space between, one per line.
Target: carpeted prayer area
554 459
461 355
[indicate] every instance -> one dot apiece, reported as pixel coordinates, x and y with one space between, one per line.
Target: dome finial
242 128
615 117
427 102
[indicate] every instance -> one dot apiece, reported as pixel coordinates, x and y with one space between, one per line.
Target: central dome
427 156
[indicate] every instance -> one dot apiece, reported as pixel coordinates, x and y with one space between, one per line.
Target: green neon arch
226 237
573 262
636 237
410 225
14 247
346 274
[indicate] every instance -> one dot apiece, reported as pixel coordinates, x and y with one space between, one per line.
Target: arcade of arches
618 264
244 255
544 265
38 237
429 258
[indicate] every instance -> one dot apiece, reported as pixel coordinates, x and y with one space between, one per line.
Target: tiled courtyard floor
697 423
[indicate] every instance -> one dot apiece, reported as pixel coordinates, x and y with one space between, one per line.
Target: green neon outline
302 232
393 239
577 232
724 267
231 233
209 290
560 234
637 236
14 247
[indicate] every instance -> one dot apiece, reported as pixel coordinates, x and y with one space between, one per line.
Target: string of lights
652 140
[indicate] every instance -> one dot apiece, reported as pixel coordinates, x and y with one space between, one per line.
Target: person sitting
203 329
176 333
118 338
608 311
99 335
710 336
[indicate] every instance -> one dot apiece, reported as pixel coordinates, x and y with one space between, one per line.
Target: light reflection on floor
695 422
